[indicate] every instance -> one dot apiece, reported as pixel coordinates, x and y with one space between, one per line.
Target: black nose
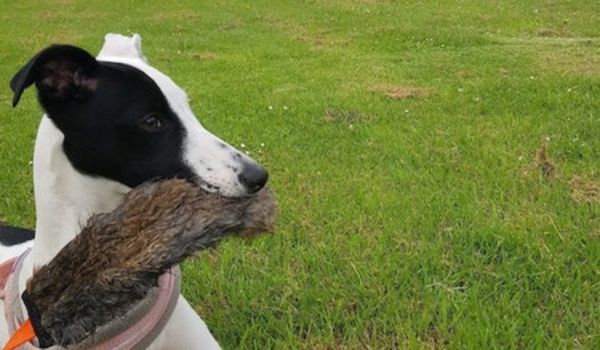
253 177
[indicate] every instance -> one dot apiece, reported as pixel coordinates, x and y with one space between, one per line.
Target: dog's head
124 120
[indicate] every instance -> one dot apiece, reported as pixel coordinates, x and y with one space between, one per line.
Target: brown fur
62 78
119 256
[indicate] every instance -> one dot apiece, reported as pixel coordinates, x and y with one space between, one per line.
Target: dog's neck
64 197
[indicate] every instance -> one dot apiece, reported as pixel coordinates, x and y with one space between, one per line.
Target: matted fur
119 256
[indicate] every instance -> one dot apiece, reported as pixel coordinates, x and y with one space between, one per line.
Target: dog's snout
253 177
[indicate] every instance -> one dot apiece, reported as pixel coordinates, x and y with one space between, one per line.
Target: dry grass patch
176 16
555 50
63 2
401 92
315 38
355 5
318 41
204 56
578 60
552 33
584 190
347 116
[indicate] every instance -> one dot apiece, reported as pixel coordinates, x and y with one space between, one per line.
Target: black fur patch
101 108
103 136
10 235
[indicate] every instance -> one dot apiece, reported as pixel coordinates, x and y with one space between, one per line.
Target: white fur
65 198
6 252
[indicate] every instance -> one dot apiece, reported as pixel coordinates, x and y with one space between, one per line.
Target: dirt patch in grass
546 32
584 190
401 92
543 162
63 2
346 116
163 16
319 41
556 50
552 33
577 60
204 56
434 338
231 25
463 74
49 15
367 2
317 38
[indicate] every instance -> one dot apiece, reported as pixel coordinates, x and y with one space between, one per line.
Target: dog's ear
117 45
59 72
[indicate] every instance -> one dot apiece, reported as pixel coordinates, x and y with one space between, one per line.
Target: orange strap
24 334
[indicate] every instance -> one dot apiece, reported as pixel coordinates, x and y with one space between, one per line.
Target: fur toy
118 256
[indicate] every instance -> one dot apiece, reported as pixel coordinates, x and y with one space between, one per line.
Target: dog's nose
253 177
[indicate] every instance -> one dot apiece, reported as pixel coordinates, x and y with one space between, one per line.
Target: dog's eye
152 122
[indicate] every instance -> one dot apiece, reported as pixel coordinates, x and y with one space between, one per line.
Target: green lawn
437 163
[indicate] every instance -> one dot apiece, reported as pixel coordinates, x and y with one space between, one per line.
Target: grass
437 163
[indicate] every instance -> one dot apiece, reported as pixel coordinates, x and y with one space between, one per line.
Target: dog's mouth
208 187
203 184
196 181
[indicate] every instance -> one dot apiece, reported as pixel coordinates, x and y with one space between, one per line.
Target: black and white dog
112 123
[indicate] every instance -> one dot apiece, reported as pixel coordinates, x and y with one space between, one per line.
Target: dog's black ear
59 72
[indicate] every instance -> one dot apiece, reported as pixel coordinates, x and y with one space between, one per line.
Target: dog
110 124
